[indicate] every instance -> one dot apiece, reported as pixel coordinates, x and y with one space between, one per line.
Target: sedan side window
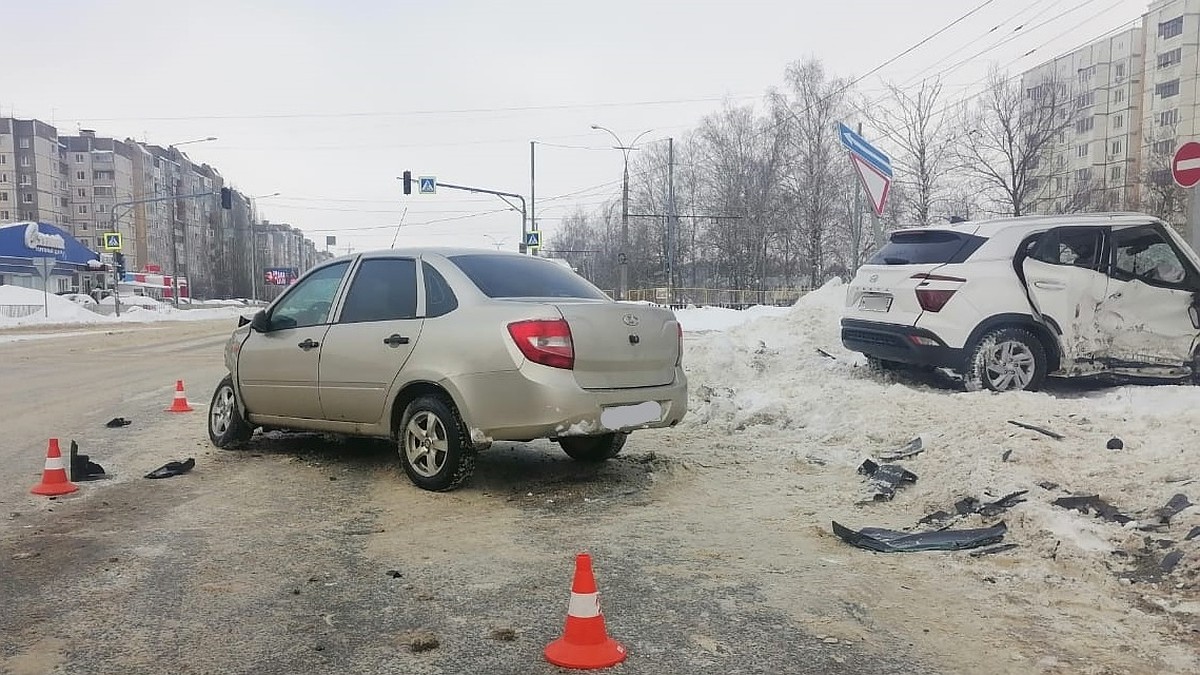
384 289
309 302
439 299
1143 253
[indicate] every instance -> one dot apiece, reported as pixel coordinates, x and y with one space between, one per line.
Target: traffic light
119 265
226 198
408 182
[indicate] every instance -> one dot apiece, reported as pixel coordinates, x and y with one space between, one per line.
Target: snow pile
701 319
61 310
765 378
134 309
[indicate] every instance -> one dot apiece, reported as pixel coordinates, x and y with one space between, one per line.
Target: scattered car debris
118 422
936 517
826 354
994 549
82 468
172 469
912 449
1052 434
395 574
1170 561
1115 443
1005 455
1047 485
1090 503
1195 532
991 509
1177 503
894 541
885 478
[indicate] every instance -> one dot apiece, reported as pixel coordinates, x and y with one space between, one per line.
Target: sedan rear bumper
541 402
903 344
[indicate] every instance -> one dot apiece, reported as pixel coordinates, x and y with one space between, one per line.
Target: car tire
1007 359
226 426
878 365
593 449
434 448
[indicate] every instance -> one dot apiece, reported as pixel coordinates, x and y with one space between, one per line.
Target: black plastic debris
1005 455
994 549
1047 485
826 354
1115 443
893 541
1169 561
172 469
911 449
395 574
1052 434
82 468
885 478
1192 534
991 509
1176 504
118 422
935 517
1093 503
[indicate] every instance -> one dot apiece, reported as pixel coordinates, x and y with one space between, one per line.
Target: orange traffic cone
585 643
54 476
180 404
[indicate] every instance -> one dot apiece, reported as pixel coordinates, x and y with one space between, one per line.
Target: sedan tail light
933 300
545 342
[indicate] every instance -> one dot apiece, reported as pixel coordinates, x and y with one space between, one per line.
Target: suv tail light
679 359
545 342
933 300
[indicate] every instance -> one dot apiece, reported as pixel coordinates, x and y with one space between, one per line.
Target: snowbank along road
712 542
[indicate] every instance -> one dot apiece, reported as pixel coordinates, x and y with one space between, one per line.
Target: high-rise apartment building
31 172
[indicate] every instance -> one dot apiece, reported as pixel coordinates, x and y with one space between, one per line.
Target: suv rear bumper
904 344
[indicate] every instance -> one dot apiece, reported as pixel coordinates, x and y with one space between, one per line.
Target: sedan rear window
921 247
510 276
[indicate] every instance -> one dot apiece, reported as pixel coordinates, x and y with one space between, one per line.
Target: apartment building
1170 103
32 174
100 173
1094 162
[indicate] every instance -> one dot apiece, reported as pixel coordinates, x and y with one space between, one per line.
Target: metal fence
19 311
717 297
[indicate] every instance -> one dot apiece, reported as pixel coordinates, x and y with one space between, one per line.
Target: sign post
1185 169
45 267
874 169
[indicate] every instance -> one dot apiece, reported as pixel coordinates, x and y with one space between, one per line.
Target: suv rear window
922 247
510 276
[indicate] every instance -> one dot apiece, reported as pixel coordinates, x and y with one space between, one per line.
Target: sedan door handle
1050 285
395 340
308 344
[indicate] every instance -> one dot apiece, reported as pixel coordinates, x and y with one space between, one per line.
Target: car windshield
921 247
511 276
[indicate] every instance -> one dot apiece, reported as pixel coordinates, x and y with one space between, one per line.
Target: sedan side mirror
260 323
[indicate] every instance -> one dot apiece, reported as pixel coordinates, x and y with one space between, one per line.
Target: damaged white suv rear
1007 302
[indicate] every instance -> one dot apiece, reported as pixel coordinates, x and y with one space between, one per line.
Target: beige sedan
448 350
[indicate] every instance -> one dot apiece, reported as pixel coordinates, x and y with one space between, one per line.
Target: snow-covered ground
58 310
764 378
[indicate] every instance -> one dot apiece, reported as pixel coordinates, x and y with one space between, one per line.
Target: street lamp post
623 255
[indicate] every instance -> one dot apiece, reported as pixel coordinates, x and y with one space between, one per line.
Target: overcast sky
328 102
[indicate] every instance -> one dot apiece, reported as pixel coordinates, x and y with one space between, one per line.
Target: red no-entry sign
1185 167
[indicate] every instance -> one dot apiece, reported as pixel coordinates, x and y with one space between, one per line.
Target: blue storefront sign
22 243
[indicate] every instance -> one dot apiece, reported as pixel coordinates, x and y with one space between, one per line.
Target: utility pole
671 224
532 217
623 255
856 245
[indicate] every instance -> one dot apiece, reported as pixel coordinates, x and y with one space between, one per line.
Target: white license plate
621 417
871 302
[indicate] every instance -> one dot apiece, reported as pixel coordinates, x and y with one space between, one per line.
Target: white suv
1007 302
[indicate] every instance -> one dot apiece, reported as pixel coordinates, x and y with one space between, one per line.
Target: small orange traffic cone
180 404
585 643
54 476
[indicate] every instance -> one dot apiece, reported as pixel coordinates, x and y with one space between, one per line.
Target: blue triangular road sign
533 238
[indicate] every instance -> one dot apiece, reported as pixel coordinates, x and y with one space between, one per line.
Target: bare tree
1158 194
1012 131
817 173
918 126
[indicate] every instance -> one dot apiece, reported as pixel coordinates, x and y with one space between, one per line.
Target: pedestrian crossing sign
112 241
533 238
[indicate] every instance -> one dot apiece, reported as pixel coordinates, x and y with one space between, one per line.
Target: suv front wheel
1007 359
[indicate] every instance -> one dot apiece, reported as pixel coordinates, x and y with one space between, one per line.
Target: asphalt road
308 554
